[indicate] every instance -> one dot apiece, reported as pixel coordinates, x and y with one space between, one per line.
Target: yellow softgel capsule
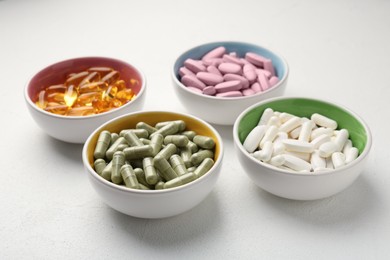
57 109
76 79
41 102
93 87
111 77
70 96
86 99
91 77
56 97
60 88
81 111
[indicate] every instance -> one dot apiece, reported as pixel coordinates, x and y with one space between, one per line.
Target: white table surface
338 50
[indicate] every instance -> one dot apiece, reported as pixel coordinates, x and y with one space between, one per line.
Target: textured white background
338 50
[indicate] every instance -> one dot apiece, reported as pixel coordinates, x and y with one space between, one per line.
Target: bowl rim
124 189
276 170
277 85
118 109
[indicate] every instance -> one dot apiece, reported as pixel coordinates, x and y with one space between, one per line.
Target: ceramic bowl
76 129
224 111
303 186
153 203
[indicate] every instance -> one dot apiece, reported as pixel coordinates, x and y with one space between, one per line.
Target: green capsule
149 170
114 136
167 151
142 187
156 142
204 142
141 177
180 124
177 164
145 141
136 163
129 177
204 167
132 139
165 169
159 185
118 160
102 144
106 173
190 134
191 169
114 147
168 129
178 140
138 152
99 165
121 147
140 133
198 157
194 148
181 180
185 154
147 127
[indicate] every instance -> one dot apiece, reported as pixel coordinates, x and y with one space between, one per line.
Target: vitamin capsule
351 154
70 96
177 140
255 59
256 87
263 81
118 160
106 173
209 78
169 129
267 64
214 70
57 109
278 148
265 153
140 133
159 185
228 67
190 134
167 151
99 165
305 132
42 102
324 121
143 187
317 161
298 146
269 135
320 140
248 92
91 77
81 111
321 131
145 141
185 154
338 159
111 77
303 156
232 58
290 124
140 174
231 77
296 163
249 72
341 138
229 94
198 157
348 145
156 142
228 86
180 180
191 169
209 90
102 144
329 163
60 88
101 70
327 149
114 147
132 139
204 142
114 137
277 160
143 125
192 146
180 124
253 139
204 167
267 114
184 71
165 169
129 177
151 176
76 78
121 147
55 97
138 152
215 53
194 65
177 164
93 87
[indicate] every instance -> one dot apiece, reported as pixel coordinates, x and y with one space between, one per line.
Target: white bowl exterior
221 111
155 204
298 186
77 129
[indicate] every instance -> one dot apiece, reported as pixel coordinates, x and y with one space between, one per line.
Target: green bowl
303 186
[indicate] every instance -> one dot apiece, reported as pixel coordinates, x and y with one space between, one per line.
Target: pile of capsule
94 91
153 157
223 74
300 144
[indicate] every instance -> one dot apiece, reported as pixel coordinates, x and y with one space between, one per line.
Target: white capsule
280 136
351 155
326 149
269 135
290 124
284 117
278 148
348 145
298 146
303 156
265 154
267 114
295 133
338 159
320 140
296 163
341 138
321 131
317 161
277 160
324 121
305 132
329 163
274 120
253 139
320 169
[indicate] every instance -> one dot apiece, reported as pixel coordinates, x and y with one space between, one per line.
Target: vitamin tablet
214 73
299 144
85 93
159 156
